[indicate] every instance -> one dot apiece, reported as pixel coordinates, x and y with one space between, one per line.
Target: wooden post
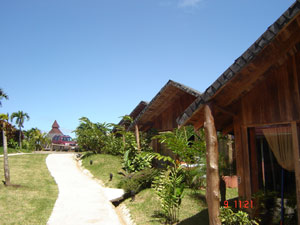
212 170
137 136
297 165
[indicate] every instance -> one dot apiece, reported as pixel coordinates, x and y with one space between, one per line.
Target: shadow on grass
158 216
87 154
199 218
198 196
11 185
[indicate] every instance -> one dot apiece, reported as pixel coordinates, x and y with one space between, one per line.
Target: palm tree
3 121
2 95
20 117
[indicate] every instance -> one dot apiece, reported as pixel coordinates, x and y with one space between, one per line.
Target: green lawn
13 150
231 193
145 208
102 166
32 202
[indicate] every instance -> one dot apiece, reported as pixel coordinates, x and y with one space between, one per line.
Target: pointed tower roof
55 124
55 130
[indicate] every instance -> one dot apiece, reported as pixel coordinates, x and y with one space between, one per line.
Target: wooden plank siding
274 100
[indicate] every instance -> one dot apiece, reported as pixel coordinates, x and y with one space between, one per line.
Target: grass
231 193
13 150
102 166
33 201
145 208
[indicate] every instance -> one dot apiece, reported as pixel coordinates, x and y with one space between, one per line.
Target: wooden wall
274 100
166 121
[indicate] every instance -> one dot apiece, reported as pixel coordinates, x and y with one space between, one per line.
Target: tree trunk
212 171
124 141
20 138
6 167
137 136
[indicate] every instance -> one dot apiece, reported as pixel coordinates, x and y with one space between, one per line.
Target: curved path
81 199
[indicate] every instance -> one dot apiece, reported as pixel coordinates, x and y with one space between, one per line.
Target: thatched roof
170 92
248 69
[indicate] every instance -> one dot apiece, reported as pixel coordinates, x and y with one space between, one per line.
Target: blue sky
64 59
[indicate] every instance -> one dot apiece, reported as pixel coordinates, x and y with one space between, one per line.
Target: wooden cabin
134 113
257 99
162 111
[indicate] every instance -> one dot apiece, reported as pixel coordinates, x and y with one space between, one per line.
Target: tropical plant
113 145
92 136
138 181
2 96
135 161
20 116
229 217
3 122
36 139
187 144
169 187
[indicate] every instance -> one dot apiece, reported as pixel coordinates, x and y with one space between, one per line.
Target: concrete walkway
81 199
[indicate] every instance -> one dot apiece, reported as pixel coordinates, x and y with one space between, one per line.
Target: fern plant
169 187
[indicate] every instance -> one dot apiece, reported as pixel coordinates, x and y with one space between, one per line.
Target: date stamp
240 204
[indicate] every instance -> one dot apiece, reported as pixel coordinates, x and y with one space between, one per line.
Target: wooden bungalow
257 100
134 113
161 113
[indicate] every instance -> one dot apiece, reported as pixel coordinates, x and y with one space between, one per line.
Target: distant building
55 130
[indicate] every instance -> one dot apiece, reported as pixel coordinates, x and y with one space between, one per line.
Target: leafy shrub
91 136
113 145
12 144
139 180
229 217
187 144
195 177
169 187
137 162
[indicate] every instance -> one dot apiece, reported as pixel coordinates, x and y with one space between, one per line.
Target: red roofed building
55 130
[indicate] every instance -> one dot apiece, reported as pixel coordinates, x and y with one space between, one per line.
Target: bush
139 180
195 177
113 145
169 187
229 217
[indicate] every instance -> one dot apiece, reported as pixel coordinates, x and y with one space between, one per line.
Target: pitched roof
241 63
55 129
135 112
55 124
171 90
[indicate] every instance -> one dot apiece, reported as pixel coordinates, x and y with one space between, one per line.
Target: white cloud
188 3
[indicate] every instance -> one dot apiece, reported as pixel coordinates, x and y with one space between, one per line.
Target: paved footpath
80 200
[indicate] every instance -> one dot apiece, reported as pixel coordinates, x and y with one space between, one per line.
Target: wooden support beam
137 136
297 164
246 164
212 170
239 157
224 110
228 129
253 161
